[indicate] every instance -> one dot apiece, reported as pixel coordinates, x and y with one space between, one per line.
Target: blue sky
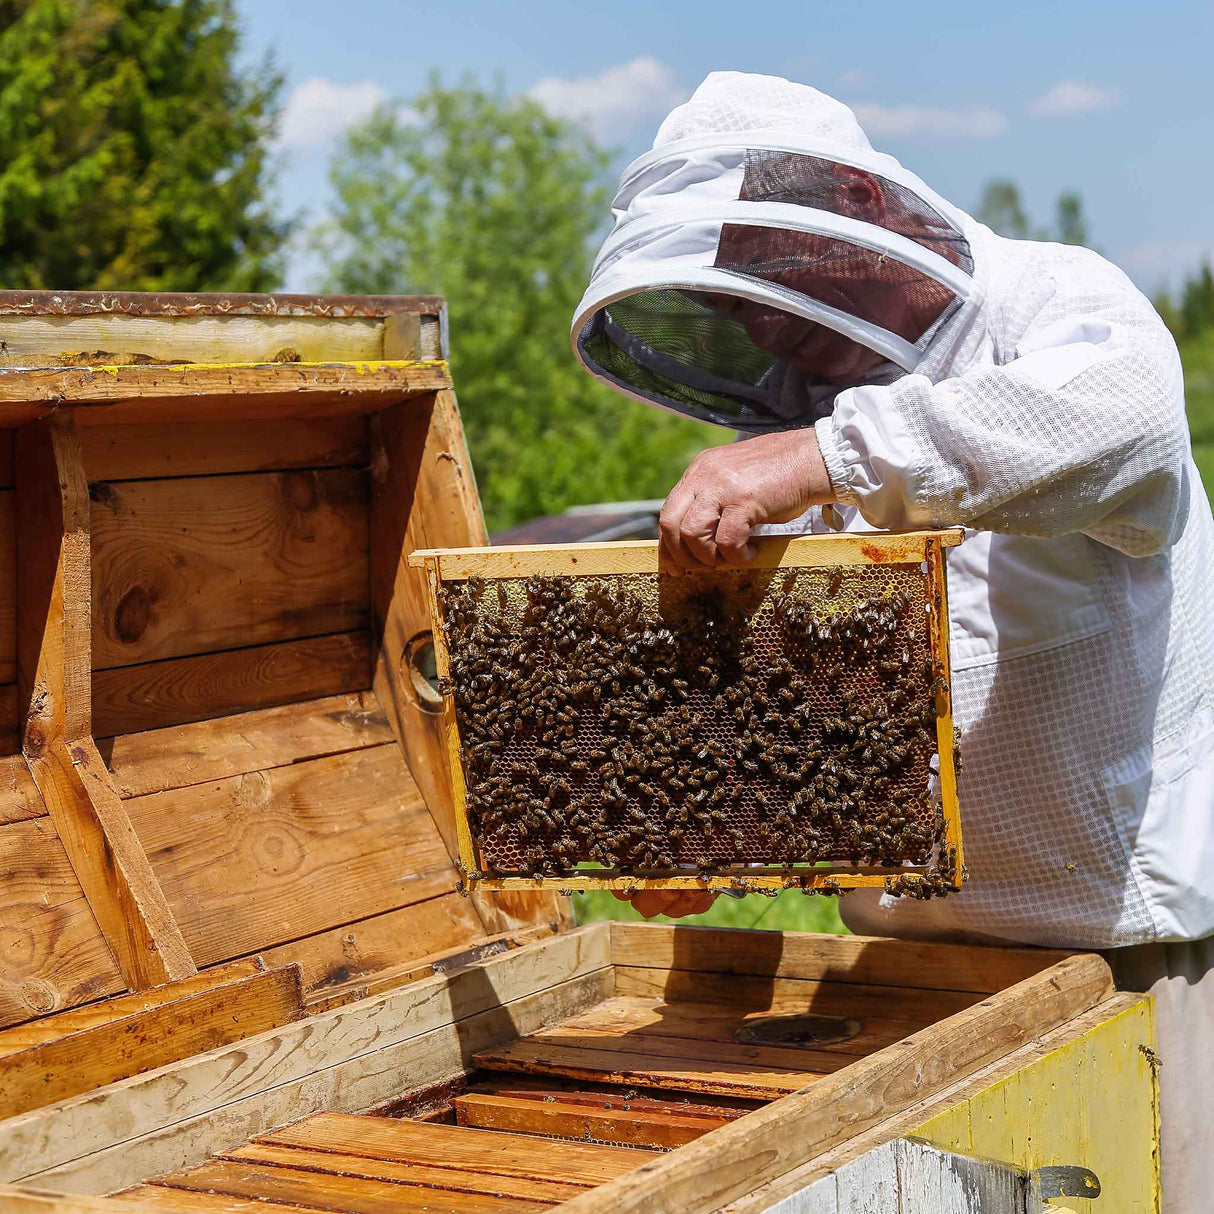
1112 99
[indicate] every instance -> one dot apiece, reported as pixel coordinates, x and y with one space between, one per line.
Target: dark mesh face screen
653 725
810 181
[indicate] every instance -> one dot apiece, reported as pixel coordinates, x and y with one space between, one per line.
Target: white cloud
1074 97
319 110
614 100
893 120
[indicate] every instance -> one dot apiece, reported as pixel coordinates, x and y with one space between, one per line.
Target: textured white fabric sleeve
1083 431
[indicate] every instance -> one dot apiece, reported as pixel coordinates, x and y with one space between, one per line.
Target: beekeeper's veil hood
768 192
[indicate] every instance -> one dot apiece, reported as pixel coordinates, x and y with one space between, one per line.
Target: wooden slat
160 759
151 450
19 796
360 952
352 1058
641 556
865 959
204 563
52 954
746 1153
657 1131
8 587
610 1096
424 494
51 1028
20 1200
10 743
179 691
463 1180
54 661
185 1201
259 859
104 1053
459 1147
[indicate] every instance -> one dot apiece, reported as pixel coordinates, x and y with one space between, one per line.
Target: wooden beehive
614 725
235 975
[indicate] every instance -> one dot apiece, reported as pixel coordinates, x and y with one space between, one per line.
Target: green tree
1072 224
490 201
1002 211
133 150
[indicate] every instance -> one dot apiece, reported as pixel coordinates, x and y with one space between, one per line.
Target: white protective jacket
1044 412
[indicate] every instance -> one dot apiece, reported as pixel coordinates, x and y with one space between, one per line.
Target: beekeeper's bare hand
771 478
673 902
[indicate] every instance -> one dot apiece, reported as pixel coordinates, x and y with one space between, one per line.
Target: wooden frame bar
643 557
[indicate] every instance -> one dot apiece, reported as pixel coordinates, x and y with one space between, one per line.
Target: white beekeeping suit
1026 391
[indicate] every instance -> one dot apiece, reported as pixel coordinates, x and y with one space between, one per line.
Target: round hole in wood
422 667
808 1031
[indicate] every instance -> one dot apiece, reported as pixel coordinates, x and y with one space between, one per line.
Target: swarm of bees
733 721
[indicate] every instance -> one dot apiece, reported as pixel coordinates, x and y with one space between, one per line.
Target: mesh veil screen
651 725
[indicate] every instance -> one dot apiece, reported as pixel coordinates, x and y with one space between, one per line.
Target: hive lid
218 740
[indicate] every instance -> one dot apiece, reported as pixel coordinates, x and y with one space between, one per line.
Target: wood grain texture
178 691
810 955
52 953
51 1028
20 799
559 1119
259 859
20 1200
101 1054
8 587
54 663
160 759
6 459
153 451
424 494
10 741
205 563
500 1154
739 1157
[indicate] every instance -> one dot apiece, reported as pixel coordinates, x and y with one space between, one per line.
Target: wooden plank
186 1201
204 448
6 459
363 1081
452 1146
181 755
657 1131
51 1028
609 1096
213 391
657 1069
329 1191
8 587
463 1180
361 951
54 663
259 859
203 563
866 959
105 1053
52 954
788 995
424 493
746 1153
10 743
14 1200
20 799
641 556
75 340
180 691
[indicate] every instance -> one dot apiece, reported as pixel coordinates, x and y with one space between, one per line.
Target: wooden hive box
234 972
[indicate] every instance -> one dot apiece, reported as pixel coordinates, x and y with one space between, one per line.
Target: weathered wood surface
20 799
21 1200
52 953
204 563
178 691
153 451
10 742
101 1054
259 859
809 955
54 664
8 587
739 1157
560 1119
351 1058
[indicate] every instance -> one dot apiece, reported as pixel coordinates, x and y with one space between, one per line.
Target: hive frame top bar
642 556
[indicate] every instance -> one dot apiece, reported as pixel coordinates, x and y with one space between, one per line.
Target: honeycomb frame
920 554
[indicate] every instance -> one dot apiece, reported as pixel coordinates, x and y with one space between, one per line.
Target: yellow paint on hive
1091 1102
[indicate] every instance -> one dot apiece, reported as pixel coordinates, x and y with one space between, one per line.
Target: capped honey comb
781 725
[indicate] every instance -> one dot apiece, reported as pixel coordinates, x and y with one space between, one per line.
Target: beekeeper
892 363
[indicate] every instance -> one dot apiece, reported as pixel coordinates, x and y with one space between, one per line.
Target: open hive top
615 725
